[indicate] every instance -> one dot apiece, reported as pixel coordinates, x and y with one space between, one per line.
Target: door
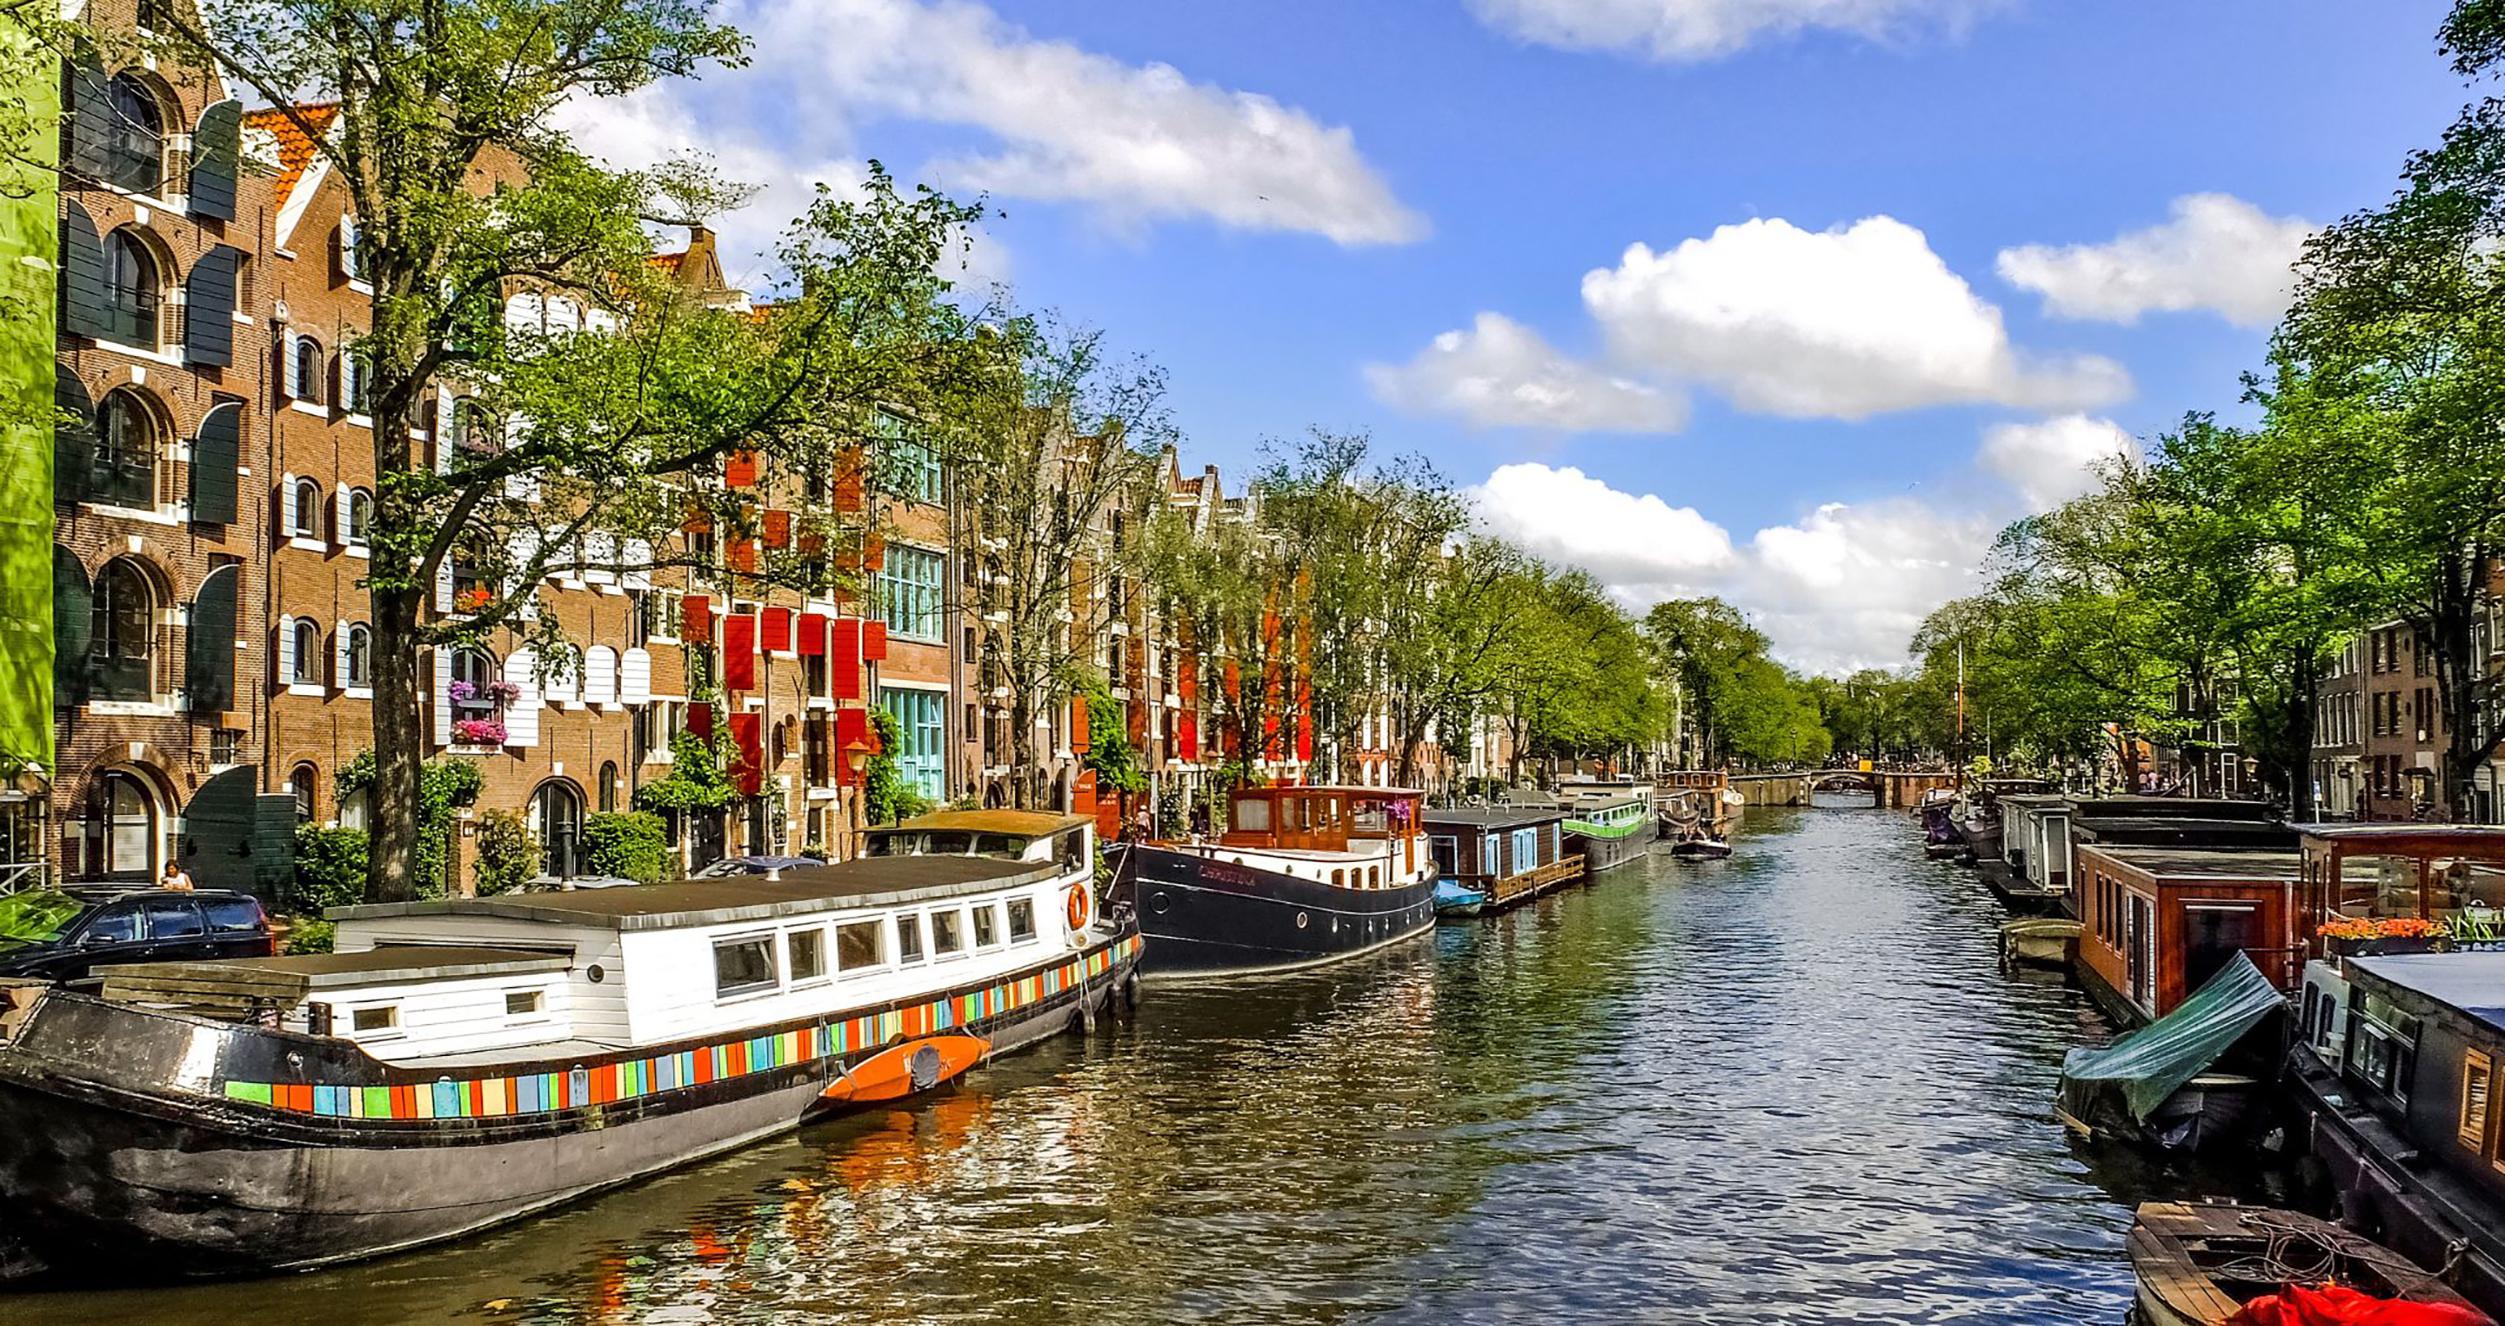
2139 950
2213 933
176 932
113 934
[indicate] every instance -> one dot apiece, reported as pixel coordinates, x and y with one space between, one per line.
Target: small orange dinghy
902 1070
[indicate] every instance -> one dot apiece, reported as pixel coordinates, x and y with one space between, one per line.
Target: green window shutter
87 133
73 620
74 437
86 305
216 458
209 308
209 655
216 143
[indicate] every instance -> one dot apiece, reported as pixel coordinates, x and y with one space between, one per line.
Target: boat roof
2485 841
1496 817
374 966
2472 984
1032 823
1349 789
2200 863
868 882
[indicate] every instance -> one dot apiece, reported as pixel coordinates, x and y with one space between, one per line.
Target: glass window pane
857 945
743 965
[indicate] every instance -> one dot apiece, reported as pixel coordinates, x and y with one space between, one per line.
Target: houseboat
1707 795
1302 876
1502 856
2395 1067
1609 827
464 1062
2204 1263
2031 876
1981 823
2155 923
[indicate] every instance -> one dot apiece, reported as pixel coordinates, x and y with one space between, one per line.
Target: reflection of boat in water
2202 1263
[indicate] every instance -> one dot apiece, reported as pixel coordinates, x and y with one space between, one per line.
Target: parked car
59 935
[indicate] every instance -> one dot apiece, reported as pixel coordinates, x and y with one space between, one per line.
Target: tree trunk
399 750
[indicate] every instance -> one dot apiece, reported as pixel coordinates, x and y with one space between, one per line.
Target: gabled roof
295 149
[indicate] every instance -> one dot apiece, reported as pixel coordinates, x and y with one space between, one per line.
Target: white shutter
339 517
449 428
287 506
443 584
526 312
339 656
565 678
521 550
638 564
443 696
600 558
521 718
635 678
286 651
600 676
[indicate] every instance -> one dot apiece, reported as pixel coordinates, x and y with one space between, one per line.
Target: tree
1703 642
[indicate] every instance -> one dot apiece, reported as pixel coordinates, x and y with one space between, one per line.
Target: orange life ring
1079 907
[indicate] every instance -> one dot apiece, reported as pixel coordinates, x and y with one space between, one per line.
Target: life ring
1080 907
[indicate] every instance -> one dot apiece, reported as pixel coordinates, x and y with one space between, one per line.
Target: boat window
1372 817
1339 879
375 1019
947 933
742 965
2386 1046
808 954
908 939
174 920
523 1003
1071 851
857 945
1252 814
1374 877
233 915
1021 920
986 926
999 844
891 844
953 843
2474 1105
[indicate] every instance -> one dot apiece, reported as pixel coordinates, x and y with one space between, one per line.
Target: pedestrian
175 878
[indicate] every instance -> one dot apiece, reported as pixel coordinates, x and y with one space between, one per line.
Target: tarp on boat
2152 1063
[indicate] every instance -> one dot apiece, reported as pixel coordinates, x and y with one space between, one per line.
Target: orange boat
902 1070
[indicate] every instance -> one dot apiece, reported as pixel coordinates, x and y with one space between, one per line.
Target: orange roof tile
668 262
295 150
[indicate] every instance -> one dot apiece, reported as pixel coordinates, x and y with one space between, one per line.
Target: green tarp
2150 1064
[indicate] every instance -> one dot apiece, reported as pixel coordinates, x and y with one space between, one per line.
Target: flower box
2383 947
478 732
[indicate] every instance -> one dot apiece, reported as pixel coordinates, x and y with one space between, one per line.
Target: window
1252 814
986 926
226 745
922 738
608 787
232 916
472 671
857 945
300 784
910 587
374 1019
351 258
123 639
1021 920
125 830
357 656
360 518
808 954
308 643
742 966
908 939
304 371
557 817
128 442
305 510
135 141
909 468
174 920
2476 1080
352 382
523 1003
947 933
114 925
134 283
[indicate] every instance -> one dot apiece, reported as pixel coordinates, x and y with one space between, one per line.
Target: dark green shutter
86 304
209 307
73 437
87 134
216 457
209 655
216 142
73 620
217 841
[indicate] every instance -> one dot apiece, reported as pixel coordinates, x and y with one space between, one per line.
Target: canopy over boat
2154 1062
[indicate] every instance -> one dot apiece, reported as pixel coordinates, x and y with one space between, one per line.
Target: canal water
1787 1087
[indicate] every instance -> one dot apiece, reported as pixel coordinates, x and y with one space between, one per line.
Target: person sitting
174 878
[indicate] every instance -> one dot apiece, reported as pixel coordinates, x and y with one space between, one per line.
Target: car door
176 931
236 927
112 934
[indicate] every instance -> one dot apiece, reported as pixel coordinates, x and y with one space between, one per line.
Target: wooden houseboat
1302 876
1706 794
2031 876
464 1062
1504 855
2201 1263
2157 922
1608 828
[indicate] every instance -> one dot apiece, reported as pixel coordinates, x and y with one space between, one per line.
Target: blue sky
1268 199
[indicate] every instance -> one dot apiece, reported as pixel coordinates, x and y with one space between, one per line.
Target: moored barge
1609 828
1503 855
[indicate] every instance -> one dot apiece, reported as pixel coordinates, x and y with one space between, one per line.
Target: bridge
1889 789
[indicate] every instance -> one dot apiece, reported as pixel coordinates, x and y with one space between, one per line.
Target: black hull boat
1700 849
1206 914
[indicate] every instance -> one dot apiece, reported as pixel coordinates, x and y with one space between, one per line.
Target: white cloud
1136 144
1846 586
1499 373
1843 323
2053 460
1640 544
2217 252
1678 30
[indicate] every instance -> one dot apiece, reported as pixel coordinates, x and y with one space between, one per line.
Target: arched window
357 657
135 142
352 376
134 285
608 787
308 510
557 817
308 641
122 832
124 633
473 674
304 370
360 517
128 441
301 783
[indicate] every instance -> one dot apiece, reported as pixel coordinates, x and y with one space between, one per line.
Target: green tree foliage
886 796
629 844
330 868
696 781
508 853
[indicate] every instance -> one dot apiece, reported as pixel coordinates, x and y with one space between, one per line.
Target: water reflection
1790 1086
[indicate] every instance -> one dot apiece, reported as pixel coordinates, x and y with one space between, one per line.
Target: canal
1787 1087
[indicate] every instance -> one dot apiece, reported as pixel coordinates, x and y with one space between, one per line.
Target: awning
2152 1063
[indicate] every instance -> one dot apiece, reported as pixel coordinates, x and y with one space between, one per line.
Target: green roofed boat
1610 825
2177 1083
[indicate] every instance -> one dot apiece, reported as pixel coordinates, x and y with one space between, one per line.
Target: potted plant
2377 936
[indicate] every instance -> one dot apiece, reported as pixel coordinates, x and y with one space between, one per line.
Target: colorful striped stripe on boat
538 1093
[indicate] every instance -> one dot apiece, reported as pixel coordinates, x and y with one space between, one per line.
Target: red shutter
739 652
1078 722
874 642
740 554
843 662
700 720
748 753
739 469
812 634
778 529
1187 734
1083 793
1304 721
778 630
697 626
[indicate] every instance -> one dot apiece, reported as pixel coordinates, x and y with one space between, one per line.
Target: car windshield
36 917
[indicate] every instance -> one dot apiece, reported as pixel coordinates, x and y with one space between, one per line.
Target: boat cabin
2158 922
2035 840
2449 875
1364 822
1011 835
1574 791
1505 853
1609 813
